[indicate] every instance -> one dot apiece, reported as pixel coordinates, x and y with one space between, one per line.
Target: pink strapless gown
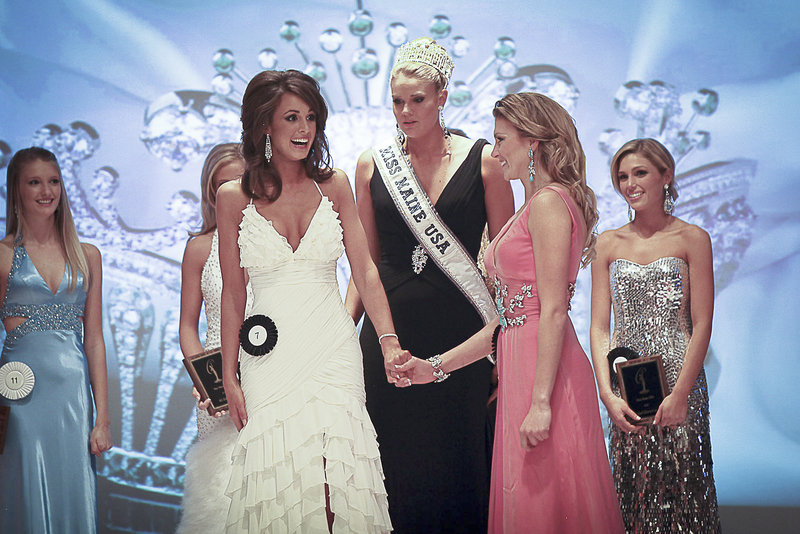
564 484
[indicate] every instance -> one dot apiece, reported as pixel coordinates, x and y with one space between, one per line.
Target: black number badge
258 335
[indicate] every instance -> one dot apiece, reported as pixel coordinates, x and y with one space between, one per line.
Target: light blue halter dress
47 474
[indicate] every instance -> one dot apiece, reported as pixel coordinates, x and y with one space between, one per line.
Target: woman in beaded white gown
208 462
657 274
306 459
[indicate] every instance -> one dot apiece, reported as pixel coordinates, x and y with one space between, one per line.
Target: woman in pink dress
550 471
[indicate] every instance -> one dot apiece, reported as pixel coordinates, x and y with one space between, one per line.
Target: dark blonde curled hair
542 119
218 157
261 99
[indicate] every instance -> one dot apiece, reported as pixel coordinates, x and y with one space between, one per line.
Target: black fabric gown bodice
461 207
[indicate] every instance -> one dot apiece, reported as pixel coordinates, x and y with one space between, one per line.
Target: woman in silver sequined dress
662 470
208 462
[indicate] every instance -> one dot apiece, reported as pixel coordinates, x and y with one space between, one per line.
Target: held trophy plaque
206 372
643 385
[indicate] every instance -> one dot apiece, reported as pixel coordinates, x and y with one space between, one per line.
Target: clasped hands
403 369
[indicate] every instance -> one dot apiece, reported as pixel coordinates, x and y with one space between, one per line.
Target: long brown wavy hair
261 99
218 157
65 226
560 152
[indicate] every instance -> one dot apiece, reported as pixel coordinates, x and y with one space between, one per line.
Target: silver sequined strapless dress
663 476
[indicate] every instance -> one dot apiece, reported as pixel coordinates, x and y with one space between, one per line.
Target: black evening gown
434 439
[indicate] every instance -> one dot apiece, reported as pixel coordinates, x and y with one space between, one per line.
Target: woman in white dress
306 458
208 462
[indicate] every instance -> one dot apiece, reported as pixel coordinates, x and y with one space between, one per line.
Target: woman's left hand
536 426
100 440
393 356
672 411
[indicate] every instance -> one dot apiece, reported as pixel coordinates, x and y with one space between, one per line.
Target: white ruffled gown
307 421
208 462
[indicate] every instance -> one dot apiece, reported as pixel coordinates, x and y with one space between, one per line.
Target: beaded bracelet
438 372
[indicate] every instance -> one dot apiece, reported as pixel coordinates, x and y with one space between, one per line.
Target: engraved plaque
206 372
643 385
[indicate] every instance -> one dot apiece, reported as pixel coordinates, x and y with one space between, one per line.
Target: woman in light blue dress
50 285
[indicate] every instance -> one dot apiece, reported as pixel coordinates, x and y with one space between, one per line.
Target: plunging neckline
449 181
41 277
308 228
505 229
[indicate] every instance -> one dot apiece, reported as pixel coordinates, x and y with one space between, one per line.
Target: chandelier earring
531 165
267 149
400 134
444 130
630 213
669 205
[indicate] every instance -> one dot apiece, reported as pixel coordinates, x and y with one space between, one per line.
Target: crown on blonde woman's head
426 50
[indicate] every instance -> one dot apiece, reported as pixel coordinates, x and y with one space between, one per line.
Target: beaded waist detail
510 309
43 317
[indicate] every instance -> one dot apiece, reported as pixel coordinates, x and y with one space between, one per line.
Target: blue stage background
131 94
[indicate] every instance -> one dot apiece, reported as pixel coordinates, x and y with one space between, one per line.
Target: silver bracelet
390 334
438 373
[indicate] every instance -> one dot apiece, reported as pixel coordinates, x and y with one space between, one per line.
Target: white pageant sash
424 222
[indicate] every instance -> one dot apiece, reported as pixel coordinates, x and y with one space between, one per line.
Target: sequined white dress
664 476
307 421
208 462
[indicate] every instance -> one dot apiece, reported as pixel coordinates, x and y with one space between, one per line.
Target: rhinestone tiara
426 50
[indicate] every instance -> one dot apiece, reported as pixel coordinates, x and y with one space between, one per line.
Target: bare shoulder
693 235
365 167
91 252
198 247
548 201
93 259
6 253
610 241
605 241
7 245
231 194
337 187
366 158
337 181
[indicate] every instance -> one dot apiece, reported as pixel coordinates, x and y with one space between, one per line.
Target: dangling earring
669 205
267 149
400 135
630 213
531 165
445 131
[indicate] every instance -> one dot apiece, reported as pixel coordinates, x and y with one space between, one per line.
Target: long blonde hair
560 152
218 157
65 227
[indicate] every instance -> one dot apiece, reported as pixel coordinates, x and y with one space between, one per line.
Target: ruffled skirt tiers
307 426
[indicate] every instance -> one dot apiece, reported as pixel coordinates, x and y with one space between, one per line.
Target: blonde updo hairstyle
422 71
654 152
560 152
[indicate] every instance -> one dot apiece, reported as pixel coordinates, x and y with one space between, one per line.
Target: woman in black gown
434 440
